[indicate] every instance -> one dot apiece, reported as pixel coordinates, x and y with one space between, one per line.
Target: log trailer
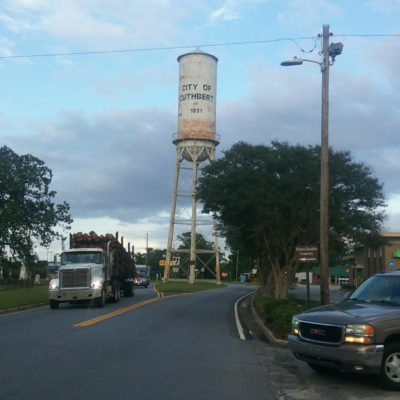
95 269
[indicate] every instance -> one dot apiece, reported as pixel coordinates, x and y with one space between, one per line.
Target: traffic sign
307 254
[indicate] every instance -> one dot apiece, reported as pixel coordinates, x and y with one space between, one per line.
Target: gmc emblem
319 332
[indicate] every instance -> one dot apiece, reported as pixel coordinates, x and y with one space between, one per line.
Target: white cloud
232 9
228 11
97 23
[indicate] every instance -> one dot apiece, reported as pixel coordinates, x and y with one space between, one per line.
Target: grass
22 297
185 287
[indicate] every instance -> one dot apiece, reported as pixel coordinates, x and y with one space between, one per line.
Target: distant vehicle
142 277
94 269
360 334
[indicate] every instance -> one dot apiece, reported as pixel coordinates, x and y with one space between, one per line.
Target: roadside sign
307 254
161 263
176 260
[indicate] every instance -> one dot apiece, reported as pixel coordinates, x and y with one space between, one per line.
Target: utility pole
324 200
328 50
147 249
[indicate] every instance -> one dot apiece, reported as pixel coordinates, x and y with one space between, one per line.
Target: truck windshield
379 288
84 257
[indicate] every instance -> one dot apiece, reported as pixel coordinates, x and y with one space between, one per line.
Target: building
368 261
337 275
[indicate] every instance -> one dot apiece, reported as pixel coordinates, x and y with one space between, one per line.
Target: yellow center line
126 309
157 292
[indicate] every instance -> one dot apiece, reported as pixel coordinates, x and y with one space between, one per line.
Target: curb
267 332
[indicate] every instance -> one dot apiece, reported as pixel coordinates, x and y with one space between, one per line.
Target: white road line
238 324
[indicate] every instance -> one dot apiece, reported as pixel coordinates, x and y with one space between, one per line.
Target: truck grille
321 332
73 278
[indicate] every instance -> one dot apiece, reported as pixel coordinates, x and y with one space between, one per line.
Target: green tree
27 208
267 200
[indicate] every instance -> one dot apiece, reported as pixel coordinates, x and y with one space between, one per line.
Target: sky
95 94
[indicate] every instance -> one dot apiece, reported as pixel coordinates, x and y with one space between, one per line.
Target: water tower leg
172 219
192 274
217 270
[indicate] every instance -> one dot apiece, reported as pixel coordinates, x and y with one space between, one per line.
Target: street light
299 61
328 51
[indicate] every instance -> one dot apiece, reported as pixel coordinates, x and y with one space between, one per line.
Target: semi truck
95 269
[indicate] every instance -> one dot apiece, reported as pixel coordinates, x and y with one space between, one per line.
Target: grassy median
185 287
14 298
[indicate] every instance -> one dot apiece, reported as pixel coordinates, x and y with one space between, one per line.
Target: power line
368 35
149 49
143 49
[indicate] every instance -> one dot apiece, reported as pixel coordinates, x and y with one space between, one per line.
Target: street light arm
313 61
299 61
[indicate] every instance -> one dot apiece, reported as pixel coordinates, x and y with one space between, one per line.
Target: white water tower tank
197 101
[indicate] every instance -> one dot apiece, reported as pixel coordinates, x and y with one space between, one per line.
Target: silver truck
92 274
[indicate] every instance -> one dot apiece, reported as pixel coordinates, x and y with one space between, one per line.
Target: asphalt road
183 347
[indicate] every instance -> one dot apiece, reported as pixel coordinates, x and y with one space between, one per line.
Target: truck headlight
295 325
53 284
356 333
97 284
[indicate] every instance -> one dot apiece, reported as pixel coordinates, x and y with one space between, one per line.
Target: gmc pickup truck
360 334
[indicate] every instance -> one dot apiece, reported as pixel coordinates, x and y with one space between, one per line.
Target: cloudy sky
102 118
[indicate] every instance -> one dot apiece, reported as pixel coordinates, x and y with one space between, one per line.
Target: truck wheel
321 369
390 370
54 304
116 293
100 301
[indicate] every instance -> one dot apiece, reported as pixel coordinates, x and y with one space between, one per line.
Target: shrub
279 312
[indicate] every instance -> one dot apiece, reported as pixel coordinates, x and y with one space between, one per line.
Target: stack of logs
123 260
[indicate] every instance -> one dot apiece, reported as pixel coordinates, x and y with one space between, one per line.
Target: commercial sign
307 254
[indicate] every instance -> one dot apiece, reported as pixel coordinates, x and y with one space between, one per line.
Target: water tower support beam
168 256
192 274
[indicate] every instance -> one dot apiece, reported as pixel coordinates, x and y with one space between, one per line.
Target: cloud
227 12
285 104
97 24
386 55
107 164
232 9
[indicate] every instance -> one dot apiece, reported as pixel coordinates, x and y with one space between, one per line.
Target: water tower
195 144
